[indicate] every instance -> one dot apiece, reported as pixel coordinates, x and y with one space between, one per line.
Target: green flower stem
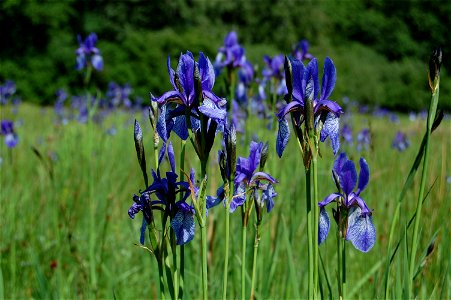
174 268
254 266
243 262
227 238
159 256
203 236
182 247
310 238
315 209
430 120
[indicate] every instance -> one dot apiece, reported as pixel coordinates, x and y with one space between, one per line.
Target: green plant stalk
243 261
227 239
315 207
182 247
159 256
343 268
254 266
174 270
340 264
310 238
430 120
203 237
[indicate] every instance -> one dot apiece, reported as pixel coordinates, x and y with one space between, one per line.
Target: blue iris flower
306 86
358 223
165 191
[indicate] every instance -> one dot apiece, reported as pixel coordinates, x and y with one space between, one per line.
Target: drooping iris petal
361 231
239 198
283 134
210 109
329 77
183 225
180 128
268 196
364 175
171 156
162 129
348 177
329 199
262 176
323 225
97 62
213 201
331 129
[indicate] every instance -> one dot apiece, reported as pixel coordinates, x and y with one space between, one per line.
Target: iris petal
283 134
183 225
323 225
361 231
348 177
364 175
329 77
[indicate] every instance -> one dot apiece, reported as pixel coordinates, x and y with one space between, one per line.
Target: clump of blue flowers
354 218
7 129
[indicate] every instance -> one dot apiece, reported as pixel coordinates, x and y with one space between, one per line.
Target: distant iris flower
274 67
181 102
346 133
306 86
165 191
353 215
7 129
364 139
248 178
87 52
118 95
401 141
301 51
7 90
231 55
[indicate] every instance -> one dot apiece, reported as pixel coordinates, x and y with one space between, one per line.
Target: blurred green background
380 48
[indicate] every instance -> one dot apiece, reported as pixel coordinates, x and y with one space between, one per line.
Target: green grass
50 246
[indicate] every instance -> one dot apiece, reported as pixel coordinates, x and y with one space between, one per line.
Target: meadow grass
55 232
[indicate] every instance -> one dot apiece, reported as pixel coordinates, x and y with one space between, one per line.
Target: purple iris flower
7 90
274 67
231 55
7 129
364 139
301 51
401 141
346 133
166 190
247 177
88 53
306 86
355 218
118 95
182 101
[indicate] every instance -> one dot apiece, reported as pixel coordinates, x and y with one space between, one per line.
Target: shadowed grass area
45 221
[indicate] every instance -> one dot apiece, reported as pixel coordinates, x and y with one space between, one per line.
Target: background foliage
379 47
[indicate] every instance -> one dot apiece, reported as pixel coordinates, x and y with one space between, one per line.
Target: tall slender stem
315 207
227 238
254 266
243 262
310 238
340 263
431 116
182 247
203 237
161 273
